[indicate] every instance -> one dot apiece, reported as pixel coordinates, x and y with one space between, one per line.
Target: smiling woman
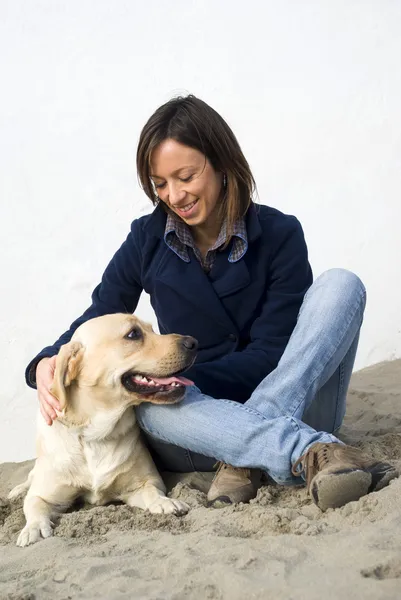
189 158
275 351
198 197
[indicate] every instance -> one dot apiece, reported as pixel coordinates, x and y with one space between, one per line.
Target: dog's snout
190 343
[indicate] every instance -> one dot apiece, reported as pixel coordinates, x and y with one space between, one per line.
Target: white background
311 89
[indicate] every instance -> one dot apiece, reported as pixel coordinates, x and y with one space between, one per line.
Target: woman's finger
49 410
45 415
50 399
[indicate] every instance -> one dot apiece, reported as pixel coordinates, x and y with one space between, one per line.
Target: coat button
232 337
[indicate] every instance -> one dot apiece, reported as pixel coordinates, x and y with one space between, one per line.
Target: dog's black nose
190 343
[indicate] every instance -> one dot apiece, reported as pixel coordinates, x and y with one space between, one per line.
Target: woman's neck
206 234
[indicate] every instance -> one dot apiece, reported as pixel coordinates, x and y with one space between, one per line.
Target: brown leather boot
232 485
337 474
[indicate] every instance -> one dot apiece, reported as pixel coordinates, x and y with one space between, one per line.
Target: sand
280 546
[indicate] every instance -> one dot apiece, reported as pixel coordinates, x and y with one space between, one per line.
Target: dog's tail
22 488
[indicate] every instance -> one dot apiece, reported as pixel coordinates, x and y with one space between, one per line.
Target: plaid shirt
178 238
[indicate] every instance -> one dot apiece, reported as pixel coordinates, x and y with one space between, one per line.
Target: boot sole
235 497
220 502
380 481
336 489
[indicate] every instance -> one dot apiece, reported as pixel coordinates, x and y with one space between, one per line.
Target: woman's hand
44 379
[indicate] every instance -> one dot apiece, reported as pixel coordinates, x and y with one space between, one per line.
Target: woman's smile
187 183
186 211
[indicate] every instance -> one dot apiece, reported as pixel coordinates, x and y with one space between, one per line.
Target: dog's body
94 449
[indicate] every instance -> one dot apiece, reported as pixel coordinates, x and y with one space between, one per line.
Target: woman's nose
175 194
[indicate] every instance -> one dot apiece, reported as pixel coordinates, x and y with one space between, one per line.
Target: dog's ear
67 368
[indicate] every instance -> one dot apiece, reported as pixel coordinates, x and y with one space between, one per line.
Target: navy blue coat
241 313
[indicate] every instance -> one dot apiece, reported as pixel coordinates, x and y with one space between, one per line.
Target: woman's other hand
44 380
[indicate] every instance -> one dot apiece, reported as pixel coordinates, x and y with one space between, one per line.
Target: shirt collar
178 237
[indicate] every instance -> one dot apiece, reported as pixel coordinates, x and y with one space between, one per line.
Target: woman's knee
344 283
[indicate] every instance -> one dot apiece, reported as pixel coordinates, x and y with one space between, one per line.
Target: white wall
311 89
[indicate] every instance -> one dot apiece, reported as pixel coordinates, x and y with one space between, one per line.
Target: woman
278 349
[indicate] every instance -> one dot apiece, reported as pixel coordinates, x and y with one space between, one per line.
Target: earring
224 180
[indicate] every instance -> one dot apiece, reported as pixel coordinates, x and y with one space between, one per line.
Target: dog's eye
134 334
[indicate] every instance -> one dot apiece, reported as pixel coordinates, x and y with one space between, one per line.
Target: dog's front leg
142 486
152 497
38 515
40 506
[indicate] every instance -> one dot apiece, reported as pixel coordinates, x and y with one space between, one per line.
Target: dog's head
117 360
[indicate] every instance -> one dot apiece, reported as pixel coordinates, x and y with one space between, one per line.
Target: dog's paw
18 491
33 532
168 506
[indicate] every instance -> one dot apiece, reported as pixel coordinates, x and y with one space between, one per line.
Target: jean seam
358 304
339 392
253 411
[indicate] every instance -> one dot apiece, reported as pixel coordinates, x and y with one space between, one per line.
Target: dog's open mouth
146 385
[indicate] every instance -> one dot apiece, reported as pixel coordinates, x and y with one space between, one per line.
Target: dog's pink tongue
168 380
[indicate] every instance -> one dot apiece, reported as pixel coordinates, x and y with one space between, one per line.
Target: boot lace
311 463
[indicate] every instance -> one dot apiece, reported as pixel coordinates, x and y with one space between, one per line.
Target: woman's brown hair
194 123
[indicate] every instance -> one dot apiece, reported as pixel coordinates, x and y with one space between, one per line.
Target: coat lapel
226 277
193 284
202 291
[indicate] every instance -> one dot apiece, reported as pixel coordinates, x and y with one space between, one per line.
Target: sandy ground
280 546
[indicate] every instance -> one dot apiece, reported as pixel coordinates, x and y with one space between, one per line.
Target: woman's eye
186 179
159 185
134 334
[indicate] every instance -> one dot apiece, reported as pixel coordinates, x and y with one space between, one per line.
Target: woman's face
186 181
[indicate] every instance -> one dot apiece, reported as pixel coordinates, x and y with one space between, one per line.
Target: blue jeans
298 404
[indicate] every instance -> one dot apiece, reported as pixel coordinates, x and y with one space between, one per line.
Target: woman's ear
67 368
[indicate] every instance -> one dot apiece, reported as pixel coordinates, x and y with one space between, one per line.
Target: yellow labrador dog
94 448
